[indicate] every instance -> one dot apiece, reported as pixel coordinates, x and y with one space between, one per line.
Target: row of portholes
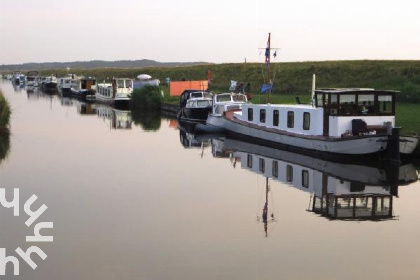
276 118
275 170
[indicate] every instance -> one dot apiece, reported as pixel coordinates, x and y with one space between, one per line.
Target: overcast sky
212 30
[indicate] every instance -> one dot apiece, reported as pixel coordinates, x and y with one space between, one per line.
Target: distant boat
83 87
49 84
64 84
32 78
117 92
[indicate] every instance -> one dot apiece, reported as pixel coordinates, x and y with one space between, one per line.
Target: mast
267 61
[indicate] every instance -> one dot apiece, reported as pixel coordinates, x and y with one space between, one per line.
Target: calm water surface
134 198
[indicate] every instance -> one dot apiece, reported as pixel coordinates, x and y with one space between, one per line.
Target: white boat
65 84
222 102
339 122
117 93
32 78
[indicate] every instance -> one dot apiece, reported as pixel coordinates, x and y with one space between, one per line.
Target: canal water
136 197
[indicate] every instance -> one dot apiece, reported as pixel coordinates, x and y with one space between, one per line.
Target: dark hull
49 87
195 114
81 93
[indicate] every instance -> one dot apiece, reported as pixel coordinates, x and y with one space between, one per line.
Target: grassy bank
289 78
4 127
4 112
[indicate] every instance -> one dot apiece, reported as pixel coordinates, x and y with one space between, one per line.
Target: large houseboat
117 92
340 122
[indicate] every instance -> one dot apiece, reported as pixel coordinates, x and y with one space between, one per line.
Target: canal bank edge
5 112
170 109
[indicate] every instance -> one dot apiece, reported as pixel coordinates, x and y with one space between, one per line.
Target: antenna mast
267 60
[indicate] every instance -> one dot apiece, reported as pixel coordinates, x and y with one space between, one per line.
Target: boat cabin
88 83
335 113
228 101
356 111
118 88
188 94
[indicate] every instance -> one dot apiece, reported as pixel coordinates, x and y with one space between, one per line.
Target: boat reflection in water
34 93
86 109
338 191
120 119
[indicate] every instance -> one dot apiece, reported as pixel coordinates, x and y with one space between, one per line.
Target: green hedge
4 112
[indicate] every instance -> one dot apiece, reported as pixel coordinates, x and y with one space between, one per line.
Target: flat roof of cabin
352 90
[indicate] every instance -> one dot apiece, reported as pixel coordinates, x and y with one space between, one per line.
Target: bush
146 98
4 143
4 112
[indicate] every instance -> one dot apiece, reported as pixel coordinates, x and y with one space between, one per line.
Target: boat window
223 98
250 114
290 119
120 83
196 94
305 178
347 104
262 115
128 84
276 117
240 98
306 121
385 103
333 106
249 161
319 100
289 173
261 165
365 104
275 169
203 103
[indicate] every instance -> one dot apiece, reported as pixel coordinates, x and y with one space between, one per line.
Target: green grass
408 117
398 75
4 127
